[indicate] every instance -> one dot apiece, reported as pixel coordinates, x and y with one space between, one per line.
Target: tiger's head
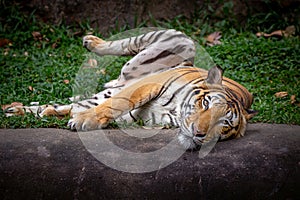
217 112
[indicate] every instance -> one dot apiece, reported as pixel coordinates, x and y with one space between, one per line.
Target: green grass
264 66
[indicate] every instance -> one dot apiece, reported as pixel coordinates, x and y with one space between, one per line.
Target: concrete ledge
54 164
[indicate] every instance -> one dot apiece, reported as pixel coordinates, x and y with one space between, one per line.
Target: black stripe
142 36
145 73
82 105
177 91
135 42
242 89
179 49
163 54
106 96
126 99
109 118
129 46
115 109
160 69
157 36
93 103
110 43
171 119
127 76
131 115
153 118
176 122
152 34
173 112
193 94
221 95
175 36
122 45
167 85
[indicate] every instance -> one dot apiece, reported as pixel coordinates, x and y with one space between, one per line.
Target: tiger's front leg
129 99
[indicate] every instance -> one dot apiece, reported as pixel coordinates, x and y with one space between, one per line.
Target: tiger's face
217 114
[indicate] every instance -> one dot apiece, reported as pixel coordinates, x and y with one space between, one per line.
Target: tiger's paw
14 111
90 42
87 120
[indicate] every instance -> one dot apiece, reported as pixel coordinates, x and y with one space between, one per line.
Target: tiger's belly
174 104
159 112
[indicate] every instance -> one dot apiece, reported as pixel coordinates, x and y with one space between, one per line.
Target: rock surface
54 164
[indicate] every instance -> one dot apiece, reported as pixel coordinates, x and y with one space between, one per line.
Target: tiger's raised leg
154 51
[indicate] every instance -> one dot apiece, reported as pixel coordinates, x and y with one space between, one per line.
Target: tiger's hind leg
40 111
154 51
62 110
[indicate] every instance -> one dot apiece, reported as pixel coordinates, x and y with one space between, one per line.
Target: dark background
111 14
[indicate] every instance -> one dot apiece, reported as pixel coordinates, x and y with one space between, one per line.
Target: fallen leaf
30 88
101 71
37 35
213 39
6 50
4 42
289 31
78 33
89 32
54 45
91 63
197 32
281 94
293 99
278 33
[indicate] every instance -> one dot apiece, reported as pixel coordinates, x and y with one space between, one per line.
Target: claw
10 110
71 125
83 127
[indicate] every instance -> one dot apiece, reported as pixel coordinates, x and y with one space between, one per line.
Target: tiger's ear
215 75
249 114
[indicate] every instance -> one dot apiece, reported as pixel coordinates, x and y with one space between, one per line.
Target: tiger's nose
197 132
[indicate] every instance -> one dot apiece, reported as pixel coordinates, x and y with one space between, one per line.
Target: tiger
161 86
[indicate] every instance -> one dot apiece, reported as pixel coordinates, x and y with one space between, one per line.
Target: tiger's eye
205 103
196 92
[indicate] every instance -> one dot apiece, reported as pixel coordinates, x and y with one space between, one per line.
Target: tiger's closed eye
196 92
205 104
